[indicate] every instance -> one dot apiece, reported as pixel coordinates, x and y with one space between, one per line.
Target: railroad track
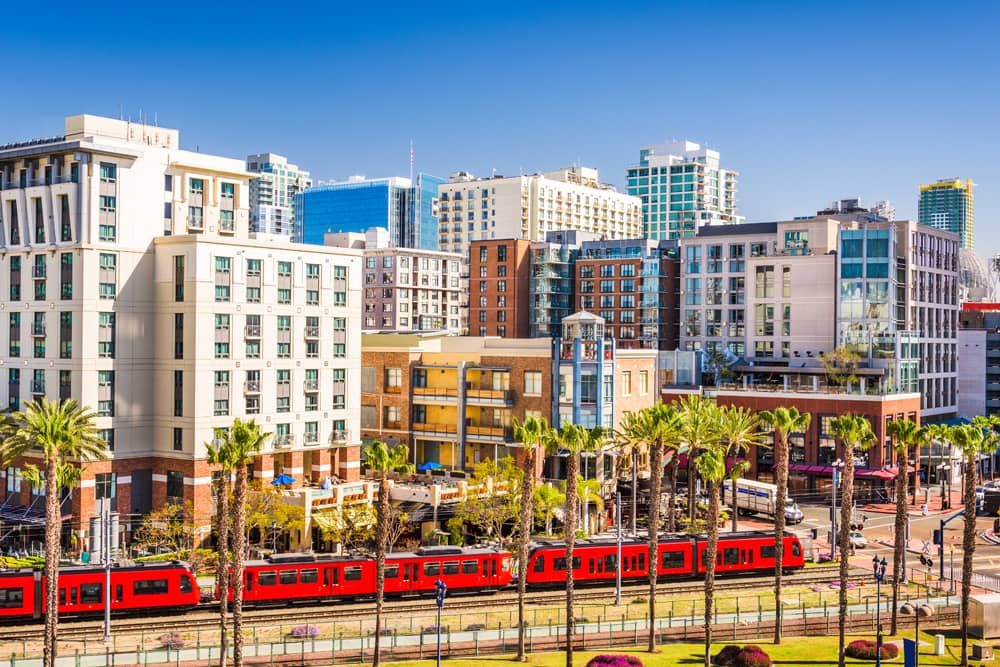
205 617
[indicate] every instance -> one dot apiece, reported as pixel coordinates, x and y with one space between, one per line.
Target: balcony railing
195 223
312 333
38 329
251 387
435 393
495 396
284 441
252 331
310 386
310 439
393 425
487 433
38 271
339 436
227 227
444 429
37 386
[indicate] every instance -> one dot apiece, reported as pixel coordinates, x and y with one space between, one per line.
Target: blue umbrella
430 465
283 480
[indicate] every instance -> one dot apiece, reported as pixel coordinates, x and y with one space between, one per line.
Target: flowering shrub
305 631
726 656
864 649
752 656
172 640
614 660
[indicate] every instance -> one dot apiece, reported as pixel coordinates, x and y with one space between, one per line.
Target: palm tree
63 433
573 440
381 460
240 444
699 426
906 435
589 491
633 446
218 454
739 432
712 469
529 433
855 433
784 421
547 500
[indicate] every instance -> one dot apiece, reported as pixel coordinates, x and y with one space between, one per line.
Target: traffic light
937 536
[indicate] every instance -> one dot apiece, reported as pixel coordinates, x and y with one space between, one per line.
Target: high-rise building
528 207
140 292
683 188
407 208
979 360
272 193
499 296
947 205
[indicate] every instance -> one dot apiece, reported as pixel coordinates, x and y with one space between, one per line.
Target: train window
671 560
118 592
796 549
731 556
72 595
185 584
267 577
11 597
540 563
288 576
611 563
590 564
472 567
450 567
62 596
432 569
352 573
559 564
633 564
309 576
91 594
149 587
391 571
767 551
249 581
642 561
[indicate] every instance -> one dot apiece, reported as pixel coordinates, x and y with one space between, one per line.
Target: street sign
442 590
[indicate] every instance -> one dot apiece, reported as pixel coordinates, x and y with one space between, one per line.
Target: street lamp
944 473
442 589
918 612
618 551
837 466
878 567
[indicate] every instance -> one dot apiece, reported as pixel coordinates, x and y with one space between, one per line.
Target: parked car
858 541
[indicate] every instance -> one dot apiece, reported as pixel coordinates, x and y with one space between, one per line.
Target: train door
39 595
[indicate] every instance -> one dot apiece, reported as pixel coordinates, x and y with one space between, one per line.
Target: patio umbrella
283 480
430 465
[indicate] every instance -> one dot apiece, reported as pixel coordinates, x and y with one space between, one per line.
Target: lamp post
918 612
837 466
442 589
944 473
878 567
618 552
106 548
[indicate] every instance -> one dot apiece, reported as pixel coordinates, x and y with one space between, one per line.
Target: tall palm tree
784 421
220 455
712 469
589 491
699 424
854 433
529 433
381 460
633 447
739 432
241 443
62 432
906 435
573 440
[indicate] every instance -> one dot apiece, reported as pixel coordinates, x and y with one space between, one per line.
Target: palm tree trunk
655 484
527 496
53 530
968 548
692 472
711 549
671 508
571 470
781 481
382 512
239 540
736 500
846 500
222 569
900 530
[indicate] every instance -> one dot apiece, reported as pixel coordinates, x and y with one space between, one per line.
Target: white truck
759 498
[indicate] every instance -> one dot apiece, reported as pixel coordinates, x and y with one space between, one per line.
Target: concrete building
979 360
272 193
499 296
166 318
408 208
527 207
683 188
552 281
406 289
947 204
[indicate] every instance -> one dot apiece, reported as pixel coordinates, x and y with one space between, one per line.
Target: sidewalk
933 504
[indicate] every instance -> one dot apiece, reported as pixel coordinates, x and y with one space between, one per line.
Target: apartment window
284 295
38 335
222 278
15 227
14 340
178 335
107 287
587 271
340 324
109 172
786 281
764 319
228 190
501 301
175 484
532 383
764 282
106 335
501 285
65 385
607 285
15 278
626 383
66 335
106 393
104 486
108 436
226 222
284 269
14 389
339 350
607 270
66 276
692 255
484 254
178 393
221 393
340 298
628 271
253 267
65 228
178 277
222 336
39 221
197 186
168 183
106 228
643 383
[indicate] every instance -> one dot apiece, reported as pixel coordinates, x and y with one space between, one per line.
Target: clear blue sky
810 101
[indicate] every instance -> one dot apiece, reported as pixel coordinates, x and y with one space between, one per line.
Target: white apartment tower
527 207
683 188
272 193
132 284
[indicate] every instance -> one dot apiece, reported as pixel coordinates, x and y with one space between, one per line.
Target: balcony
312 333
394 426
38 271
435 394
310 386
196 223
339 437
251 387
488 397
488 433
442 430
38 329
227 227
310 439
251 331
286 441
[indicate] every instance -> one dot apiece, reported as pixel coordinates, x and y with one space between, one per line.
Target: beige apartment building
132 283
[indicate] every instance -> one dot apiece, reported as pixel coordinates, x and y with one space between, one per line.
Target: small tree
841 366
548 499
168 529
351 526
493 511
267 507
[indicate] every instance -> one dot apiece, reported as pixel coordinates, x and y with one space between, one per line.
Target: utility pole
106 538
618 557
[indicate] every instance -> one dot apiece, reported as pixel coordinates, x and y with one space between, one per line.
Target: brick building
499 272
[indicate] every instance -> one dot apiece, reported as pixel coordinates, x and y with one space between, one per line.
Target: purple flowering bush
864 649
614 660
172 641
726 656
305 631
752 655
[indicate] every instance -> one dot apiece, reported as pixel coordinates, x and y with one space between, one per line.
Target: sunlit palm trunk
222 570
53 527
655 484
571 500
527 496
900 529
968 548
671 508
781 481
380 549
239 540
735 506
712 524
692 473
846 501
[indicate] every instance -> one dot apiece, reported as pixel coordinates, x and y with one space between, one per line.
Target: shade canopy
430 465
283 480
